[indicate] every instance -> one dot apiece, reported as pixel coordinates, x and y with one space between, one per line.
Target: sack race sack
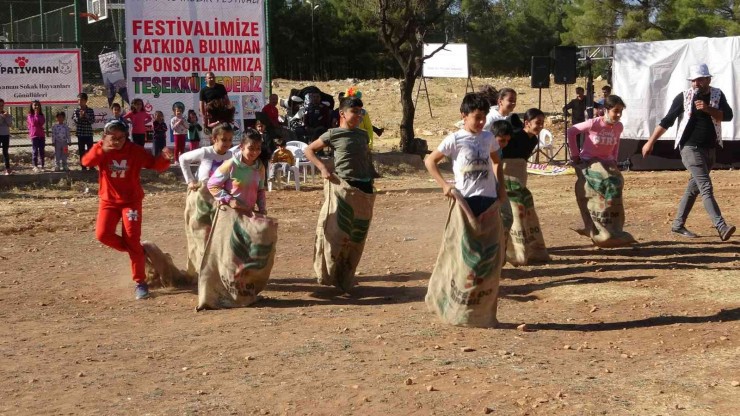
524 242
200 208
463 288
161 270
341 231
237 260
599 195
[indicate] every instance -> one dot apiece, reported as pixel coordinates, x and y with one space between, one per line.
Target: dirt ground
649 330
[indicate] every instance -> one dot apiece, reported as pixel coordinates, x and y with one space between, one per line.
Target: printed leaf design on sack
253 256
355 228
479 257
609 188
518 193
204 211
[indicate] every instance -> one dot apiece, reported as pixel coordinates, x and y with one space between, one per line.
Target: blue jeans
698 161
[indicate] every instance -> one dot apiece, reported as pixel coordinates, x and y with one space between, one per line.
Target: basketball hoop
96 10
89 16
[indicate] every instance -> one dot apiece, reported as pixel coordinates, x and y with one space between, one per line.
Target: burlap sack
341 231
161 270
237 260
599 195
463 288
524 242
199 212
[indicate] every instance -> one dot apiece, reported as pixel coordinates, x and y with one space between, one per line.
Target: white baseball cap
698 71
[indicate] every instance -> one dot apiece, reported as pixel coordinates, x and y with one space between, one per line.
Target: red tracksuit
121 196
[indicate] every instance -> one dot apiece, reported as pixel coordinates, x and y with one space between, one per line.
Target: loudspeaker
540 72
566 58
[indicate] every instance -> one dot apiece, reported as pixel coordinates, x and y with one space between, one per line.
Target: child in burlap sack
199 209
463 288
349 198
525 243
119 163
600 184
240 250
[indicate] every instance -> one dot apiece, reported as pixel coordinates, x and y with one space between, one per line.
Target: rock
594 309
205 373
567 347
409 381
185 369
467 349
200 392
80 374
249 358
431 388
437 347
487 410
735 383
522 328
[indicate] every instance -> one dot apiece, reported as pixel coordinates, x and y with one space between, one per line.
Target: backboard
97 8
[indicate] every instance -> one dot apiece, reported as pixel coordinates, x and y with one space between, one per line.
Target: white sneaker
35 169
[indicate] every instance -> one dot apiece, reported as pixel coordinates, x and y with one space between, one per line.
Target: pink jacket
602 139
138 121
36 124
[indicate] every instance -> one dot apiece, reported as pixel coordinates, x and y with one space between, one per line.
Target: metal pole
12 24
43 26
77 23
313 53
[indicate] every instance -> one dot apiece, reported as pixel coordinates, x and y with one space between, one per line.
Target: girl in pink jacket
36 130
602 134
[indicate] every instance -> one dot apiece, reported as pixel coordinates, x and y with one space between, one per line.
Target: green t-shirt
351 161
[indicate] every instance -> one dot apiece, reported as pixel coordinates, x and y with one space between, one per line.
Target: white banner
649 75
171 45
52 76
450 62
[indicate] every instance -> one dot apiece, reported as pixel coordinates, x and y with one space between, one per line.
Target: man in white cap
699 133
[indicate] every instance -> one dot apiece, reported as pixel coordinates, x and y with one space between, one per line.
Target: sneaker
726 232
683 232
141 291
7 172
36 169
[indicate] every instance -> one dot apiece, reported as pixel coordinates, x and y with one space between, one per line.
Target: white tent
649 75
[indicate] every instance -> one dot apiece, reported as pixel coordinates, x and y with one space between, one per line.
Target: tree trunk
408 113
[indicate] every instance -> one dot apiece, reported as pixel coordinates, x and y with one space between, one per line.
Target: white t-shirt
209 162
494 115
471 161
181 128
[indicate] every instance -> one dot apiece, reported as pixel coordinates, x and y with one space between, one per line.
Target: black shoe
683 232
726 232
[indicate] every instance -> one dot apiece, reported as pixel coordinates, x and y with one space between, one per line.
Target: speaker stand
563 146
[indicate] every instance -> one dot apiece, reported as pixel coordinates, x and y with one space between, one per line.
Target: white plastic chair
296 143
546 145
284 173
301 162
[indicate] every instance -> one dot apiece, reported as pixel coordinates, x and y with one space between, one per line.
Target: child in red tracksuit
119 163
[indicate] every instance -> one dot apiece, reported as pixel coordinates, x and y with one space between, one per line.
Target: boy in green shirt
350 146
